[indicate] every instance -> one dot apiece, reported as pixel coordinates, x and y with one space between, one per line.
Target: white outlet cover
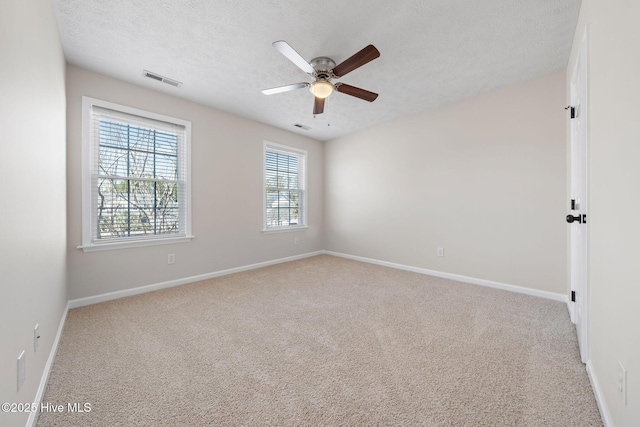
21 368
36 337
622 382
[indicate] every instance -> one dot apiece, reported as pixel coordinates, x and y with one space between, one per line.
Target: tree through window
137 181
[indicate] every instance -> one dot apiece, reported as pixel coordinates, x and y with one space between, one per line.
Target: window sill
284 229
134 243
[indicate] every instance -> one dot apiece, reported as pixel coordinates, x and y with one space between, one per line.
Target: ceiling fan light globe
321 89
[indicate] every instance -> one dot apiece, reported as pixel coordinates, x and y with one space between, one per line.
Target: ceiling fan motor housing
323 66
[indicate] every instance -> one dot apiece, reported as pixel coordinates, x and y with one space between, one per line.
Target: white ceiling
433 52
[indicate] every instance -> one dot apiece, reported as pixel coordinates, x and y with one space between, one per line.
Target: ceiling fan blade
356 91
286 88
318 105
293 56
367 54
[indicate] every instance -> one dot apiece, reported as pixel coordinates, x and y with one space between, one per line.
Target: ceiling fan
323 70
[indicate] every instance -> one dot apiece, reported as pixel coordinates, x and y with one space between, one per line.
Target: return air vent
298 125
160 78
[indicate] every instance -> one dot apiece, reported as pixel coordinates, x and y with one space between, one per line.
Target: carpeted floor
322 341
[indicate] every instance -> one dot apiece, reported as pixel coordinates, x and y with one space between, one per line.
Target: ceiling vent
298 125
160 78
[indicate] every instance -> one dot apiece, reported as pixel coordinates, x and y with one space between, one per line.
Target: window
285 183
136 188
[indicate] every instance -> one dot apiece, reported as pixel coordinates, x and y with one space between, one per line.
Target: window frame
300 153
89 155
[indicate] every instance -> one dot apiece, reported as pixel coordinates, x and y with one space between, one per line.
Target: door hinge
573 296
573 111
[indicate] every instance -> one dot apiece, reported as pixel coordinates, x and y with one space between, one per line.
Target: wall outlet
440 251
622 382
21 369
36 337
296 240
171 259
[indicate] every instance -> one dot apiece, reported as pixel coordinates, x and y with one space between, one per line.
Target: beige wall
33 209
614 201
483 178
226 194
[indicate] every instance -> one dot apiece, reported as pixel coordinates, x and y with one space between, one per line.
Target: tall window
285 184
136 177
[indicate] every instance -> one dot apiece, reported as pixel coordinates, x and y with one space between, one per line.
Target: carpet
322 341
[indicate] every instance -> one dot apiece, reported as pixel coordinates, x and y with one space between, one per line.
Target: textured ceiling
433 52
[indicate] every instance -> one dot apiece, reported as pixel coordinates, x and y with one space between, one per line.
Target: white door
578 204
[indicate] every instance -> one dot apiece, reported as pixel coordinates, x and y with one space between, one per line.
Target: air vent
172 82
160 78
298 125
152 76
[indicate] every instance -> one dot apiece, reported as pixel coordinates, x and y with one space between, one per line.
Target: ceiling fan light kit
321 89
323 70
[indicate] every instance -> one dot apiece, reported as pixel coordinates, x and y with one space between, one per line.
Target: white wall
614 197
227 170
33 205
484 178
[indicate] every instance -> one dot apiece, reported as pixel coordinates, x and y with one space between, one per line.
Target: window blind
138 177
285 187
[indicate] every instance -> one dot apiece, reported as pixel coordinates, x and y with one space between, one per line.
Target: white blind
285 183
138 177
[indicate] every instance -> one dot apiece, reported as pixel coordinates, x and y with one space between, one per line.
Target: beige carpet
322 342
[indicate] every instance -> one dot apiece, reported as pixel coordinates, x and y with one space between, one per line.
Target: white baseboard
33 415
81 302
459 278
602 404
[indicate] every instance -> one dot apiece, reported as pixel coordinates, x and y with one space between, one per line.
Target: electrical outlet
440 251
171 259
21 369
622 382
296 240
36 338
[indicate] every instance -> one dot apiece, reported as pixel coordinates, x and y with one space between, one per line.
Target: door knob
579 218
